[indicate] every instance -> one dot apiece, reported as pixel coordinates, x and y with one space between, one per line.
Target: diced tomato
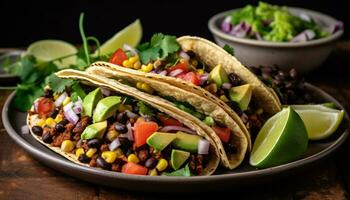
132 168
142 130
45 106
183 66
191 77
118 57
169 121
182 75
224 133
139 120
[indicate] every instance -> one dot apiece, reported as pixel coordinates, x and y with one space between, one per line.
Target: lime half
48 50
320 121
130 35
282 139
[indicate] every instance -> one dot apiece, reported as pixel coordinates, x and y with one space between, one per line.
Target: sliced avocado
178 158
186 142
91 100
159 140
106 108
94 131
242 95
218 75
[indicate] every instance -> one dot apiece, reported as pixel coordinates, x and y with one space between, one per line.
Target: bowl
303 56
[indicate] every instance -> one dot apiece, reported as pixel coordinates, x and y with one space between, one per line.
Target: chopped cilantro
58 84
229 49
144 108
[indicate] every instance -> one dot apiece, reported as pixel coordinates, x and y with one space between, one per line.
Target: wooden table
22 177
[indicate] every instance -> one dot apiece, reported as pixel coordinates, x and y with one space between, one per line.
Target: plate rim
38 154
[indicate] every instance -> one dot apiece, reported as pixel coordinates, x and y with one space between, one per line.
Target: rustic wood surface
22 177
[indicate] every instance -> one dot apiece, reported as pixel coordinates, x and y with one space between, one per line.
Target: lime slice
320 122
130 35
48 50
282 139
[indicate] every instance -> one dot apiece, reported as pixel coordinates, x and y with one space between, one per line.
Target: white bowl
304 56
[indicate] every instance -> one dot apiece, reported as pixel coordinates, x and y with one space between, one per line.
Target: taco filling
164 56
118 133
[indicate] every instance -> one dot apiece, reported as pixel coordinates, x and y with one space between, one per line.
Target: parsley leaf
229 49
58 84
144 108
26 94
78 90
160 47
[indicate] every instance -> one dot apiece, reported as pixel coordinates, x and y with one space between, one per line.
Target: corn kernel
58 118
67 146
66 101
79 151
133 59
224 98
126 63
123 107
139 85
133 158
41 122
119 152
91 152
50 122
153 172
145 87
200 71
109 156
147 68
162 165
55 96
112 134
137 65
183 60
194 63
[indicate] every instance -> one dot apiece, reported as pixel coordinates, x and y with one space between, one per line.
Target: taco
120 129
201 67
217 124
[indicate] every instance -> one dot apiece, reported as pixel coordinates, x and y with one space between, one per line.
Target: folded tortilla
156 103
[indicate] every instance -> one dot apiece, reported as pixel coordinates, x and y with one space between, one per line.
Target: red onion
105 91
241 30
114 145
203 78
71 116
203 146
36 103
336 27
226 86
305 17
176 128
310 34
67 107
184 55
129 48
226 25
175 72
258 36
78 108
25 129
304 36
60 99
163 73
131 114
129 133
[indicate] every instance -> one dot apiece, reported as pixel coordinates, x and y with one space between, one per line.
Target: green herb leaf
149 54
144 108
78 90
58 84
26 95
229 49
169 45
185 171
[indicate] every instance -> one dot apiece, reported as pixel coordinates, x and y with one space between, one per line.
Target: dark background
23 22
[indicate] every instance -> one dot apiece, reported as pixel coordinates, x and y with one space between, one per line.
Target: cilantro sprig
159 48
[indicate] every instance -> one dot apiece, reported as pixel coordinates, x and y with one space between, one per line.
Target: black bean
37 130
122 118
151 163
128 152
121 128
234 79
64 122
48 93
54 113
60 128
47 138
84 158
135 109
124 143
255 70
191 54
94 143
102 163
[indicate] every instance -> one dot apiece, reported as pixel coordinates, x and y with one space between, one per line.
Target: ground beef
117 165
196 164
93 161
80 126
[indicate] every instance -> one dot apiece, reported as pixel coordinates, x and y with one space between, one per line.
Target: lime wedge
48 50
130 35
282 139
320 121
